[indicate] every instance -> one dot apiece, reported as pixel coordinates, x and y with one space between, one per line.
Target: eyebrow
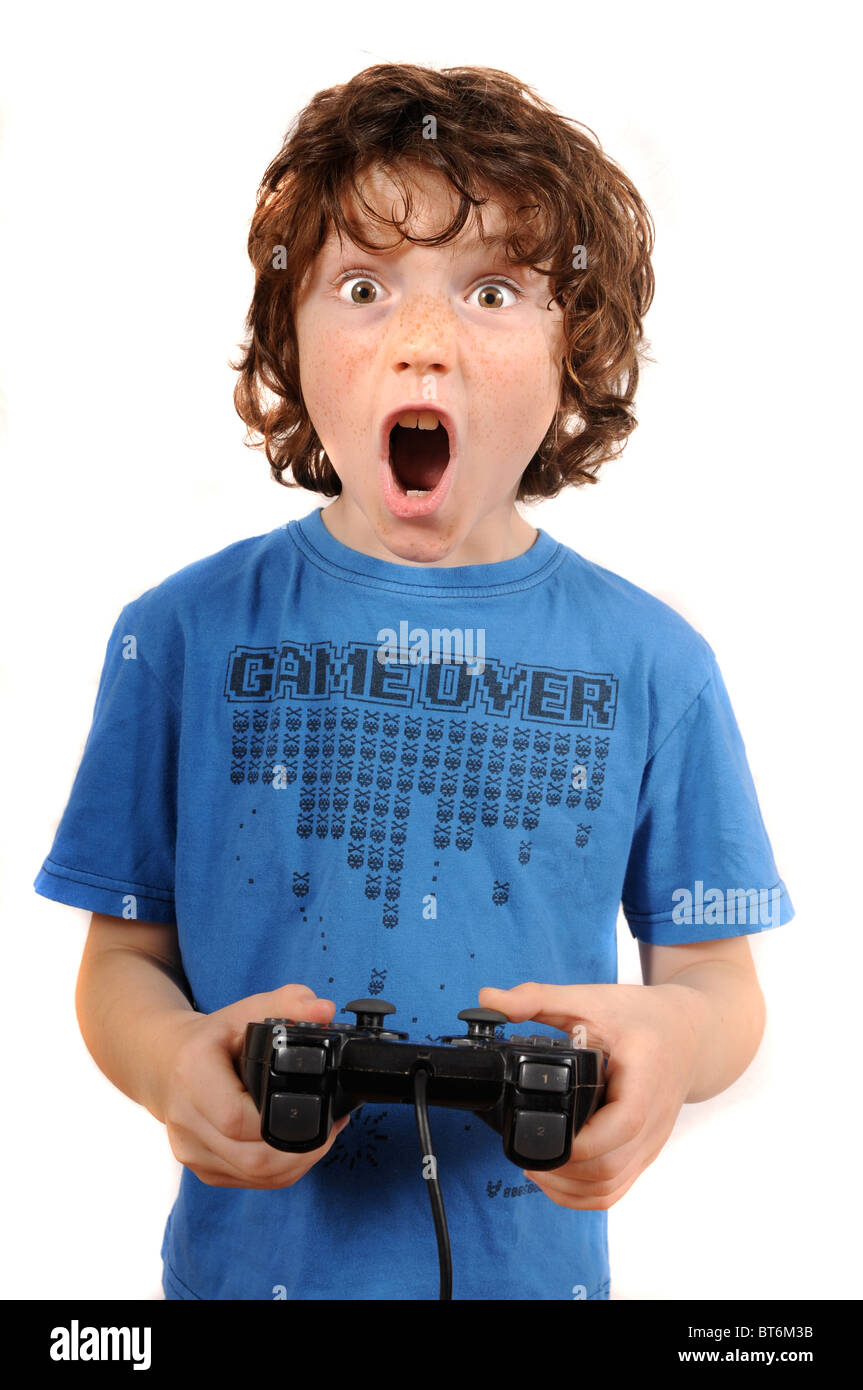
493 247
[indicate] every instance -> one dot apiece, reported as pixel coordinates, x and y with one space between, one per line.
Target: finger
259 1006
579 1197
292 1002
211 1086
557 1005
553 1183
200 1147
228 1111
604 1168
621 1172
253 1163
615 1126
210 1083
614 1133
624 1114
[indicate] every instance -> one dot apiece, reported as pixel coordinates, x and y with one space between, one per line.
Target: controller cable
421 1077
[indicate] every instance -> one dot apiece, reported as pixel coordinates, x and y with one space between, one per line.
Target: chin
423 542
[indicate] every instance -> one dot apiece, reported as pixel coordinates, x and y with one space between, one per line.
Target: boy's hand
652 1046
213 1124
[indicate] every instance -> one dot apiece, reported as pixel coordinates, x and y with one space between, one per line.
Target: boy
408 746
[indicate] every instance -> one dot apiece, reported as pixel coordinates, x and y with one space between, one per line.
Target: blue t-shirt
407 782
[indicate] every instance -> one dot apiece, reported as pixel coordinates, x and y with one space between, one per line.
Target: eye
490 294
362 289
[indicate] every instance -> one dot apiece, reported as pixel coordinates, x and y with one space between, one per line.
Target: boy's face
454 330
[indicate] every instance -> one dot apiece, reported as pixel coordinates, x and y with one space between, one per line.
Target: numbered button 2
539 1135
294 1118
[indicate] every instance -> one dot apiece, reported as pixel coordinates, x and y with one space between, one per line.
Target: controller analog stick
370 1012
481 1023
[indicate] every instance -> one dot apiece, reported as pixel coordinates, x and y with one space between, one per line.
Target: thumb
293 1001
559 1006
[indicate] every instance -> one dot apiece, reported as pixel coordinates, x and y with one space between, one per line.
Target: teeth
418 491
424 421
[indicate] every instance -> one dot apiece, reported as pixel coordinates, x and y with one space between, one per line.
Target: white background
135 139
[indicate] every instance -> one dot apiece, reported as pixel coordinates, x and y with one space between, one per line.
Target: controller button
294 1118
533 1076
310 1061
539 1134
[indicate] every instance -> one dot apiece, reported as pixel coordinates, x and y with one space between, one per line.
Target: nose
423 335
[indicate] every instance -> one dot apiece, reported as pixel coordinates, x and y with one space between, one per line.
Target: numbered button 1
535 1076
308 1061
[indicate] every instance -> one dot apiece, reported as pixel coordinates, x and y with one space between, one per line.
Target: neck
501 535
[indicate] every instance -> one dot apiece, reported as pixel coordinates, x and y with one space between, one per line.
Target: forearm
130 1009
726 1010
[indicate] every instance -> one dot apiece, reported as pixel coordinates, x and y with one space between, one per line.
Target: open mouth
419 453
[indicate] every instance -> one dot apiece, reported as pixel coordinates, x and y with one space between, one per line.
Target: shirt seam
175 1276
679 721
347 576
161 684
597 1289
89 879
156 677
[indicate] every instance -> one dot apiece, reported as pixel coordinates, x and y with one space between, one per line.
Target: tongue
419 457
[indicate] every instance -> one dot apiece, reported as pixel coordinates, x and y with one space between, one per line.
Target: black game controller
536 1092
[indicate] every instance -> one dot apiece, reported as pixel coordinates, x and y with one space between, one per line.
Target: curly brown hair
495 137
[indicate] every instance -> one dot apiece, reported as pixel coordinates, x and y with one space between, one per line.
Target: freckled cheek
331 377
344 358
514 392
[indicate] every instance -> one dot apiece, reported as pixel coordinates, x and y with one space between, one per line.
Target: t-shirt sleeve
700 864
113 851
